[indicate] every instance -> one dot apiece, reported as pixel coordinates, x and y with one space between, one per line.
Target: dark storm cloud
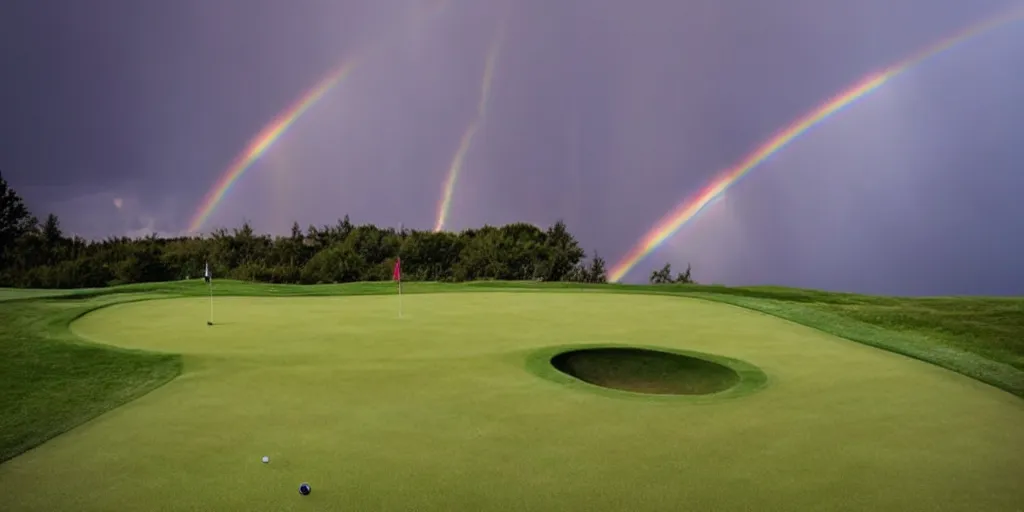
894 197
603 113
908 191
156 97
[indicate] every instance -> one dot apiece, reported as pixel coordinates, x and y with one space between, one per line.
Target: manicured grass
51 382
979 337
438 411
982 337
18 293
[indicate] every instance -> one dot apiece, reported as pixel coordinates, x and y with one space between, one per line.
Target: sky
120 116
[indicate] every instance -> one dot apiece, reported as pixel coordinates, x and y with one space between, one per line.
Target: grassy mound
438 409
378 412
50 381
646 371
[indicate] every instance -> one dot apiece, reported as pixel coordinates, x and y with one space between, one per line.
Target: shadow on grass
646 372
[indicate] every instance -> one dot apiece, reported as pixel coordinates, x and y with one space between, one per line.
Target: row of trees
38 255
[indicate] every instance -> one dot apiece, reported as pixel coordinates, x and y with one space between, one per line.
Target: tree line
36 254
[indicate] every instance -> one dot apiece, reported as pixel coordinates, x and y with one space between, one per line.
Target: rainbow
263 141
273 131
466 141
691 207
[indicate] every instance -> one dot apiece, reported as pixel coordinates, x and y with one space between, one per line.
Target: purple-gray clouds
603 113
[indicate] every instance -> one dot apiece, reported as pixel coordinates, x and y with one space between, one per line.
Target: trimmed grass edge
147 372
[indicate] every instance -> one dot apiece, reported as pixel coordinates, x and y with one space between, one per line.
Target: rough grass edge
165 367
1000 375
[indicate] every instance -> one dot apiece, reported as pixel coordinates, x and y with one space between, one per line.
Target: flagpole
209 284
211 304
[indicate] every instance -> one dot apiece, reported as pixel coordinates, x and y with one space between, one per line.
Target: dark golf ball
304 489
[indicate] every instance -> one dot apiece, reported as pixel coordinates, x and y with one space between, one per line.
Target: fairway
439 411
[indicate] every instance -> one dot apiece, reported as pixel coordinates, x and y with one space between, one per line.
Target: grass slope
18 293
982 338
51 381
438 412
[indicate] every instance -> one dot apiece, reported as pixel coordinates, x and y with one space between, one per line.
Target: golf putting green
445 409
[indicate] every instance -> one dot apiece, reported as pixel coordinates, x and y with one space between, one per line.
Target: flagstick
210 322
399 266
209 283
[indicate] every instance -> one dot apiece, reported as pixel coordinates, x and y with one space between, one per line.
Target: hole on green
646 371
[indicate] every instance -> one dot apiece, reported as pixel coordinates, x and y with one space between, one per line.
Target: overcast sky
119 115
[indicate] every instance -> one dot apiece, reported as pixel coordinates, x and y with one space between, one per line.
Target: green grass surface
18 293
982 337
51 382
438 411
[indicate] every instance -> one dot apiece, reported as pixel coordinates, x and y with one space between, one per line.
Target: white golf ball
266 459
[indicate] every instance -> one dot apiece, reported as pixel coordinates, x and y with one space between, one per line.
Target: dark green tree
597 273
52 239
562 253
52 234
15 219
43 256
662 276
684 277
